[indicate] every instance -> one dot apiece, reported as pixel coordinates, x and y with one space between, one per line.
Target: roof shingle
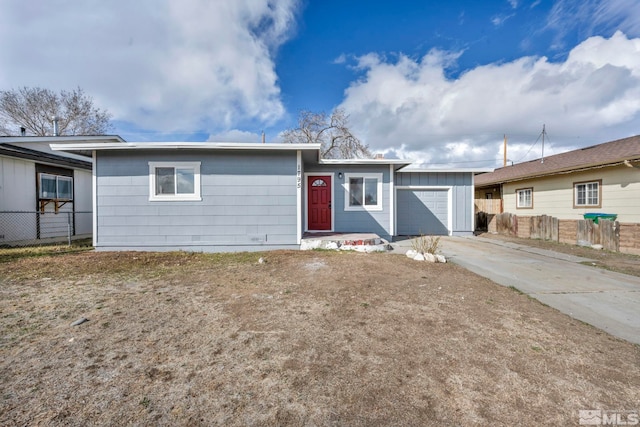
599 155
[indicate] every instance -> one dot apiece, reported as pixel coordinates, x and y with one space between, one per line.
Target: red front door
319 206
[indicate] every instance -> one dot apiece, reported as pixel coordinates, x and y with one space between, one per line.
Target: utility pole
504 162
543 132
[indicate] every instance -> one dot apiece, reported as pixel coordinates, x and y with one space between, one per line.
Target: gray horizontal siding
248 201
462 192
356 221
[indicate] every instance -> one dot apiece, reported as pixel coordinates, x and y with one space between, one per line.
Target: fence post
69 228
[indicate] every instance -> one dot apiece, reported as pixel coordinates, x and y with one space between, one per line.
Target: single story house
41 190
603 178
243 196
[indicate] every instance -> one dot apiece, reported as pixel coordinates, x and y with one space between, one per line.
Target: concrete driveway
607 300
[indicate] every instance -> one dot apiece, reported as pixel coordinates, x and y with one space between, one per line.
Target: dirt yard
305 338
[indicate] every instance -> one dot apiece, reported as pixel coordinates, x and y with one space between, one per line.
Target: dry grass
307 338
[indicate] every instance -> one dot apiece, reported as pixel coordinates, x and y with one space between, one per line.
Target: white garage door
422 212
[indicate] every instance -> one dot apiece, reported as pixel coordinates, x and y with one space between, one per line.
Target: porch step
361 242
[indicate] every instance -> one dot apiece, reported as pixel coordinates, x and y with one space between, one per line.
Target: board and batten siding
17 184
350 221
17 193
553 195
461 184
248 202
19 204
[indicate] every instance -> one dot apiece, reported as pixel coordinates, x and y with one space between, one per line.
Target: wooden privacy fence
485 211
544 227
605 233
488 206
584 232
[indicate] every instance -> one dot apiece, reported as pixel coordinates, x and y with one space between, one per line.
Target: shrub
426 244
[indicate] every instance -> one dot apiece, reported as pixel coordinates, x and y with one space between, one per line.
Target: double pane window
524 198
587 194
363 192
56 187
174 181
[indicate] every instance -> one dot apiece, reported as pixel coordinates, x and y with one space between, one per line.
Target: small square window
65 188
524 198
174 181
363 191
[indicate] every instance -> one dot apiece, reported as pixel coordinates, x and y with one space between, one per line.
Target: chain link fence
34 228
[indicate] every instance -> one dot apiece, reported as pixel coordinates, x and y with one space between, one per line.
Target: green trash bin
596 216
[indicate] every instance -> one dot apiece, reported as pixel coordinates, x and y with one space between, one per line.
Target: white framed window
363 192
174 181
524 198
586 194
56 187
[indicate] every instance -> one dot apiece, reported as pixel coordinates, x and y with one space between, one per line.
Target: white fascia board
62 139
183 146
468 170
363 162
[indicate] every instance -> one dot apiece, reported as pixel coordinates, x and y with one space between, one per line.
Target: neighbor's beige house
604 178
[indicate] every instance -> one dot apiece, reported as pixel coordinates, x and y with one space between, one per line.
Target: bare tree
331 132
34 109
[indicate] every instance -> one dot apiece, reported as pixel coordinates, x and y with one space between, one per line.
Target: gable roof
597 156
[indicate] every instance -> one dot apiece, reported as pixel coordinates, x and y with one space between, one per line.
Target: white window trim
377 207
56 178
530 205
586 203
313 175
449 190
153 197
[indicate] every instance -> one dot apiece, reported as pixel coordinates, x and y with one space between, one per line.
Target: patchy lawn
306 338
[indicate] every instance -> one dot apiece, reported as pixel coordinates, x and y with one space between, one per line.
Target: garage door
422 212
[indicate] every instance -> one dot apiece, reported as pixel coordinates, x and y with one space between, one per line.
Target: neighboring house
604 178
40 187
239 196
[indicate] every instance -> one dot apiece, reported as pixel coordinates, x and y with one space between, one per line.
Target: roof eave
364 162
562 171
182 146
64 138
409 169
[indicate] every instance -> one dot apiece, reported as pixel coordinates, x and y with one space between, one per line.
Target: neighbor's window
363 191
174 181
56 187
586 194
524 198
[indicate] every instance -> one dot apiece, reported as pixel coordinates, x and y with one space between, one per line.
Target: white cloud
341 59
594 94
161 64
589 17
498 20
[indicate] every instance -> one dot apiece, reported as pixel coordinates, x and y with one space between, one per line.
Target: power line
531 148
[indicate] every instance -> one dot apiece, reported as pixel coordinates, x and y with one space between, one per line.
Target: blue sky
430 81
